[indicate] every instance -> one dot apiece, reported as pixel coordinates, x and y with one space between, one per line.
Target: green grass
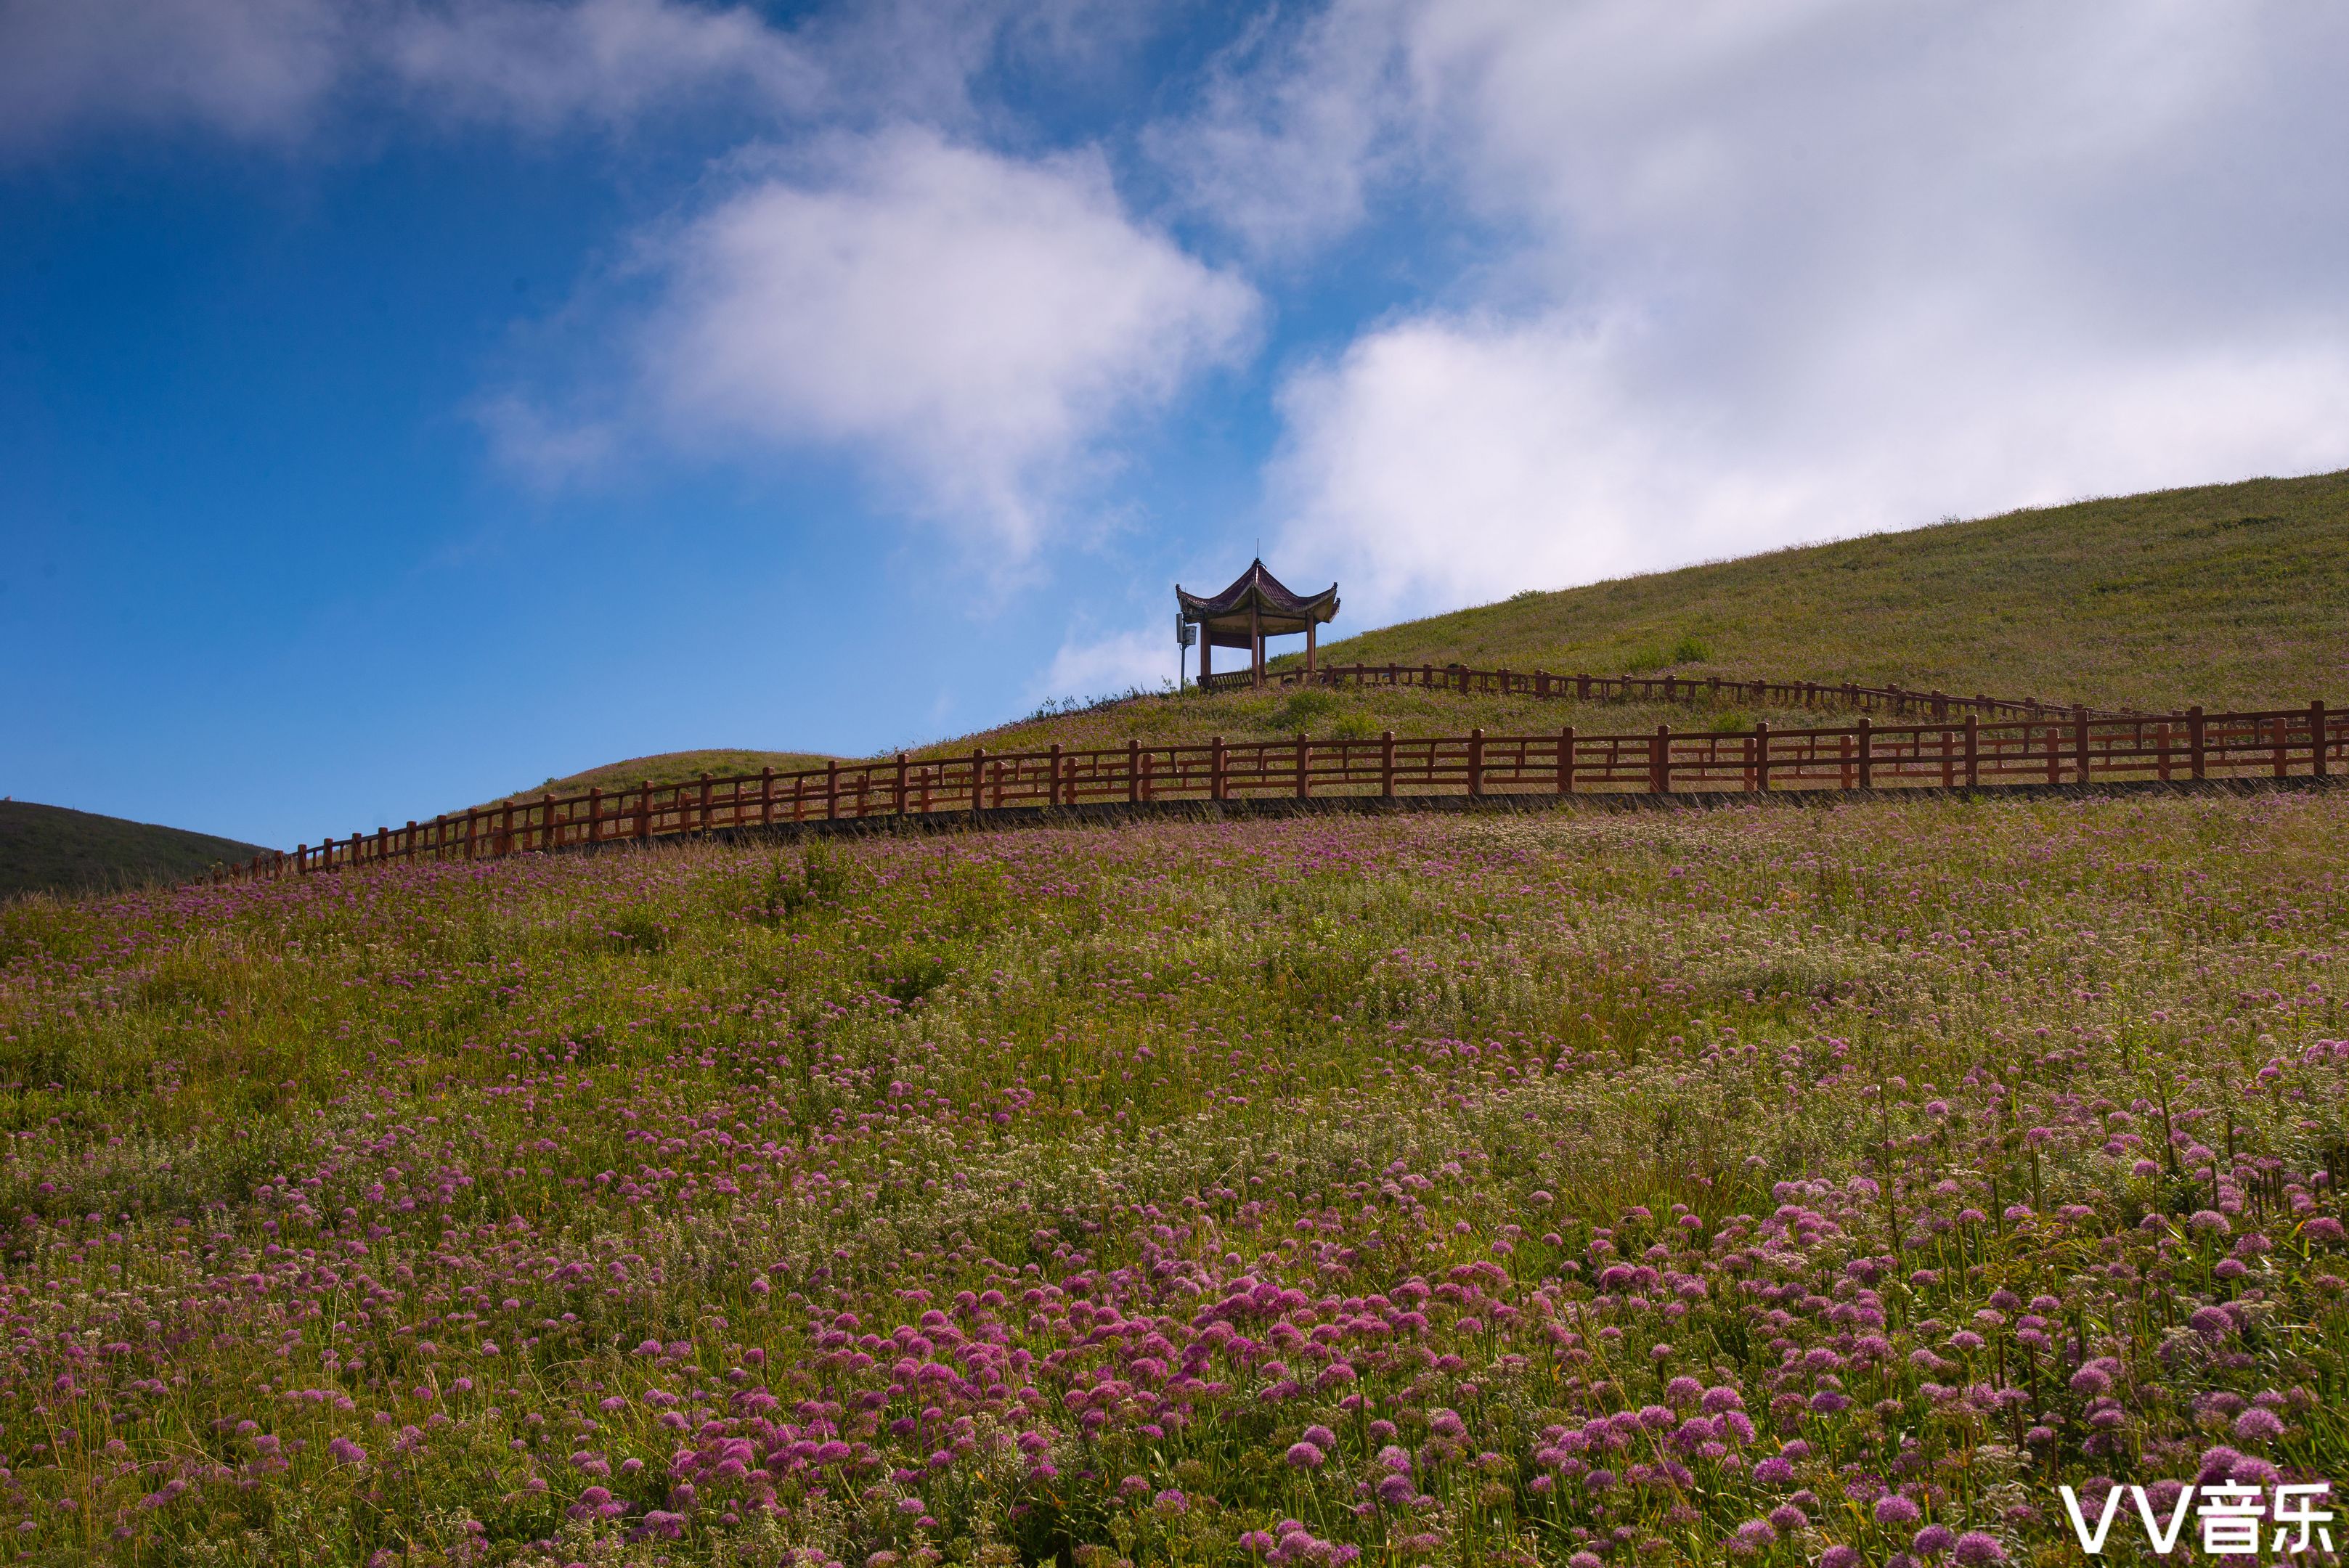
51 849
1351 715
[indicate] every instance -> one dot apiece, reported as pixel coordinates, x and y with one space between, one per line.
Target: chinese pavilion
1256 606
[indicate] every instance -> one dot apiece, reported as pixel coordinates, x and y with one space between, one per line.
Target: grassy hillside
50 848
2225 594
1752 1187
1757 1186
2230 595
1277 712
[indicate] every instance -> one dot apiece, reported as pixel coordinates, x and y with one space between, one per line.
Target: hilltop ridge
2233 594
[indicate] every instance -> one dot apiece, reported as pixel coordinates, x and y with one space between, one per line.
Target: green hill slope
50 848
671 768
2232 595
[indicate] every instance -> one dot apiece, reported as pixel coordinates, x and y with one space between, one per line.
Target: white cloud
1443 461
247 68
1293 119
546 451
1783 271
1102 666
975 322
539 65
272 70
278 70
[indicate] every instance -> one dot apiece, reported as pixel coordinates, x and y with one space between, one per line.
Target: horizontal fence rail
2077 746
1543 685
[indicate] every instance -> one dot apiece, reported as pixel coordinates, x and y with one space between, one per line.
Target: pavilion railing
2056 748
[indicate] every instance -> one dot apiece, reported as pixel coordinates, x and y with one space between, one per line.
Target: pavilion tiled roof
1279 612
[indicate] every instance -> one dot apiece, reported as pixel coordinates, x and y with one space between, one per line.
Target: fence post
1541 683
1477 762
1760 780
1304 758
977 773
2317 738
1867 734
547 838
1566 761
1974 749
1660 761
901 783
1052 785
1214 767
1133 771
2080 740
1582 688
1386 764
766 795
594 813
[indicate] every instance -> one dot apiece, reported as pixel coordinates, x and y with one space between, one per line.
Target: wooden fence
1894 701
2075 748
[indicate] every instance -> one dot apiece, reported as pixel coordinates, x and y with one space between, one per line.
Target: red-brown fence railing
2058 748
1692 689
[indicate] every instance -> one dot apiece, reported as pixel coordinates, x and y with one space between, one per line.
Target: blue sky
402 401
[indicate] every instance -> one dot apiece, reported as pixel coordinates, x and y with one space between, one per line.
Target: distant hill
50 848
2234 596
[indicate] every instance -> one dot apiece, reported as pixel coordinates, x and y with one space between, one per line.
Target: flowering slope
1758 1185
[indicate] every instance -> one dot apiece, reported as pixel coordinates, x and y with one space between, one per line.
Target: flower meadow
1759 1185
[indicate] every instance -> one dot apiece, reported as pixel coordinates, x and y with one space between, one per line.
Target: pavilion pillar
1207 654
1309 626
1255 642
